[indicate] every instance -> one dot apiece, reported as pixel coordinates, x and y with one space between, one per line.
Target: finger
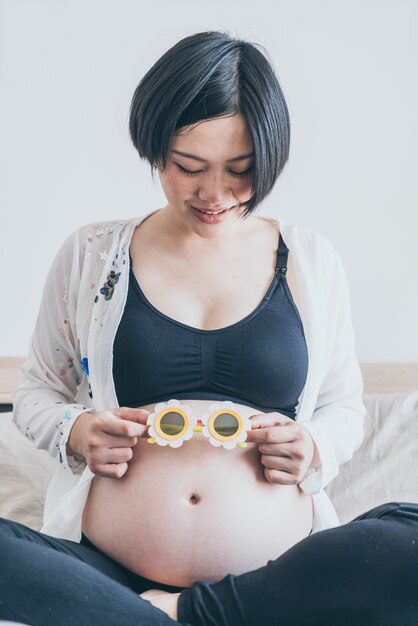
114 441
102 456
272 434
265 420
277 449
110 470
280 463
133 415
279 478
118 427
118 455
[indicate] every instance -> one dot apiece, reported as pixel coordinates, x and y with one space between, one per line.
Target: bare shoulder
263 230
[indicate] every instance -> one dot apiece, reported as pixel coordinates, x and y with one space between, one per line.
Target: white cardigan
69 366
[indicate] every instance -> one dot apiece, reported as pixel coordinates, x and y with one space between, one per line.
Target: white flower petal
176 443
229 445
205 431
205 418
215 407
173 402
151 418
161 441
159 407
215 442
151 432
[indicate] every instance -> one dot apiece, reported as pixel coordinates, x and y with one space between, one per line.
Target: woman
196 309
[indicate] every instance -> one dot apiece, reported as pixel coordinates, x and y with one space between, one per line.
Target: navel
194 499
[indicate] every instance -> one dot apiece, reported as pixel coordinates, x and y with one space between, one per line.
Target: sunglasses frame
191 425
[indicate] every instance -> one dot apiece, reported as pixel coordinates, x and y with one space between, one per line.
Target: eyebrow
196 158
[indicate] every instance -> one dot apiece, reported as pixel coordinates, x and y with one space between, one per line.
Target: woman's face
209 168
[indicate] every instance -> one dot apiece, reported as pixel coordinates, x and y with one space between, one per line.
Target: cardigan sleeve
336 425
44 405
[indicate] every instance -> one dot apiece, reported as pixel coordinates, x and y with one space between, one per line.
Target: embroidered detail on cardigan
63 334
63 366
107 230
85 365
109 286
84 362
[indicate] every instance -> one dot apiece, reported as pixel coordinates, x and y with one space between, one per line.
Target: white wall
349 70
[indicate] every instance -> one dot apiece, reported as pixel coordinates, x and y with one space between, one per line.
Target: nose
214 190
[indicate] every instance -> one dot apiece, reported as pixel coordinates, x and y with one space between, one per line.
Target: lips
207 210
212 217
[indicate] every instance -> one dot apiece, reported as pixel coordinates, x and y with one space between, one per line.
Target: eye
194 172
187 172
245 173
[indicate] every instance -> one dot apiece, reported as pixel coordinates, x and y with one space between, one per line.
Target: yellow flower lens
171 423
225 424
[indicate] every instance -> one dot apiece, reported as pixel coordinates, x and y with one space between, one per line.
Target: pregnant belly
194 512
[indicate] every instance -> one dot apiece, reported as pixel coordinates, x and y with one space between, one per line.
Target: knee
391 510
9 528
12 536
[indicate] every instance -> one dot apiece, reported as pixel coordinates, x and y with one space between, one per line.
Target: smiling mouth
212 212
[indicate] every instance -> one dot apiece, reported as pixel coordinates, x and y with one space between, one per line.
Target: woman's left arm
309 453
336 426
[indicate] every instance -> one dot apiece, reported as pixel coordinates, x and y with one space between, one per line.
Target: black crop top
260 361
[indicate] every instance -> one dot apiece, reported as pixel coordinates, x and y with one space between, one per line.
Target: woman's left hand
287 448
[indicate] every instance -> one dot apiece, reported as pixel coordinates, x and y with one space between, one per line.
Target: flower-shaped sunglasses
172 423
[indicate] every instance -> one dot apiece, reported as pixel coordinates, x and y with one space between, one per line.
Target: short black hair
207 75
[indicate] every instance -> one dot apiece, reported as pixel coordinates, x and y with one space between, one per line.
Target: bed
385 468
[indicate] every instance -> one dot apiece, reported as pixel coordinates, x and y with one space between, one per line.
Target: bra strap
281 259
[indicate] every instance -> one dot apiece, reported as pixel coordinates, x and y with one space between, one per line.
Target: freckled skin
216 141
174 180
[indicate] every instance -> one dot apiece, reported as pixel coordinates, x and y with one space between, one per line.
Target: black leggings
363 573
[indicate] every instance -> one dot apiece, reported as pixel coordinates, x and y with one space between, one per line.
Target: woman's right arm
44 405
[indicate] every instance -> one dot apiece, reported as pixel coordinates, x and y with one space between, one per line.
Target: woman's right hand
106 438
